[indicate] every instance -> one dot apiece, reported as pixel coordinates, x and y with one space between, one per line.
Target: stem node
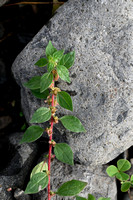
50 146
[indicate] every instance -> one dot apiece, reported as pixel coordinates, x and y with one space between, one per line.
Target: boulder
100 32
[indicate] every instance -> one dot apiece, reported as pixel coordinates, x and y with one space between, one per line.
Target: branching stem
50 148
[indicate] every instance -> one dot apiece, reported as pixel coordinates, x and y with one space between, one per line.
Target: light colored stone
101 33
98 183
20 195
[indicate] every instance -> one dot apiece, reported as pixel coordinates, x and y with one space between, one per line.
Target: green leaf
41 115
21 114
50 67
102 198
37 183
39 168
122 176
64 153
112 170
91 197
23 127
63 73
40 95
58 55
80 198
31 134
42 62
64 100
125 186
50 49
71 188
72 123
131 179
33 83
46 81
123 165
68 59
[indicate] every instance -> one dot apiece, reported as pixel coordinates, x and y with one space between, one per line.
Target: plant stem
50 148
33 3
129 195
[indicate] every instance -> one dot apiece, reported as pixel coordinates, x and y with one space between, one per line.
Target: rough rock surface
14 174
101 34
99 184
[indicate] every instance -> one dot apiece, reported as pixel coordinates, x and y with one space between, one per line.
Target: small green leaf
64 100
31 134
42 62
122 176
80 198
41 115
40 95
39 168
123 165
37 183
68 59
33 83
58 55
23 127
72 123
131 179
21 114
91 197
63 73
50 49
71 188
50 67
125 186
102 198
112 170
64 153
46 81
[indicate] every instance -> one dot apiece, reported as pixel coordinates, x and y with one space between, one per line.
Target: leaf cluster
57 64
119 172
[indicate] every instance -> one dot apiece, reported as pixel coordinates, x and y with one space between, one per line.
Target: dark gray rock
14 174
100 32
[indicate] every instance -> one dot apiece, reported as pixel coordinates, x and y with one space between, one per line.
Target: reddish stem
50 148
129 195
